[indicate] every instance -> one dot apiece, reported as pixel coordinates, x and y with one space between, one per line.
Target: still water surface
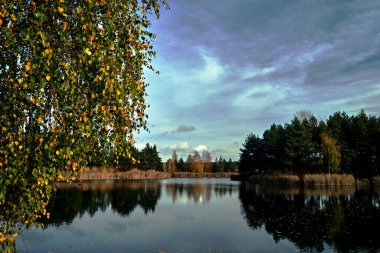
206 215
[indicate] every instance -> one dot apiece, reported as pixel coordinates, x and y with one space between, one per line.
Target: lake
206 215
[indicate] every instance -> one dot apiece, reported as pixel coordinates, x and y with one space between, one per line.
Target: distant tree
196 164
188 166
215 167
207 161
331 152
171 164
221 164
228 165
150 159
181 165
157 161
304 115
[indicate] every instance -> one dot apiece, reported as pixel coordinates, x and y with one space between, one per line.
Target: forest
149 159
199 163
341 144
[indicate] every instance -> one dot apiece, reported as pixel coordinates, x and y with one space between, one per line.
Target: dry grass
326 179
89 173
276 179
110 173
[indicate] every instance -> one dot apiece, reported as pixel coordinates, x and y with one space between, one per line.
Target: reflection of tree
70 201
199 192
345 222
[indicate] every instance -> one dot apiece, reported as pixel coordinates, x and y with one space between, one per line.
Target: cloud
140 145
238 70
182 146
181 129
201 148
185 128
211 71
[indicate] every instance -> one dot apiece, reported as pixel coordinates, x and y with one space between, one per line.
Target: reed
282 179
329 179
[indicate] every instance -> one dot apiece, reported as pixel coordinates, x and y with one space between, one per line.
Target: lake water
206 215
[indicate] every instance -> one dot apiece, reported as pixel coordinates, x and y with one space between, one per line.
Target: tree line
341 144
146 159
199 163
149 158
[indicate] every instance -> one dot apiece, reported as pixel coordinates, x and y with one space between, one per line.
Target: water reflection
314 219
199 192
73 200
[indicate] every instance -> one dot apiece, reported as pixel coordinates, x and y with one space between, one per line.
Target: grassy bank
312 179
90 173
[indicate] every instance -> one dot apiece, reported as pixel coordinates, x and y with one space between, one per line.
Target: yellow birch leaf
87 51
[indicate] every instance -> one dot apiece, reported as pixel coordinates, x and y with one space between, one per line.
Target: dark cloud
273 58
181 129
185 129
261 33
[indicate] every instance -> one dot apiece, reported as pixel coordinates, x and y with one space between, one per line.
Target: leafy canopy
71 79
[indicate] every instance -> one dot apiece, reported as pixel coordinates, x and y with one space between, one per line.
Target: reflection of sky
197 191
183 226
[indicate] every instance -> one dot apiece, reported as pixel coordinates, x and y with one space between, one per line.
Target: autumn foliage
71 79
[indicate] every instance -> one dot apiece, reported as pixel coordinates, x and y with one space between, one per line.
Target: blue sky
232 67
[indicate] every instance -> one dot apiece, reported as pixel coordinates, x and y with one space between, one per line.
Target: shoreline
95 173
102 173
313 180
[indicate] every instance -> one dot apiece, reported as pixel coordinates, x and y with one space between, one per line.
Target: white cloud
211 71
201 148
140 146
182 146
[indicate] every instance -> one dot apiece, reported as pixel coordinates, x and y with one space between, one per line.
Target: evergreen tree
181 165
150 159
299 147
274 143
251 155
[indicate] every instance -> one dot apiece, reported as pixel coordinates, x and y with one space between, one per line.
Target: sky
229 68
